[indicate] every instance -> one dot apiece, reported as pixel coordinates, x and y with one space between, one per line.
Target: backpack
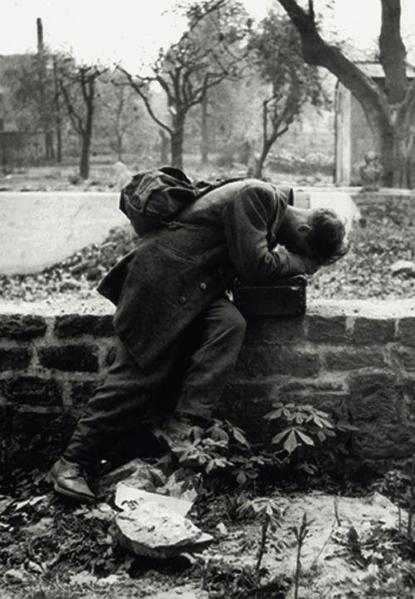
155 197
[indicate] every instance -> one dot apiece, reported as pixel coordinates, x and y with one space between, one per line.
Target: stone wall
356 359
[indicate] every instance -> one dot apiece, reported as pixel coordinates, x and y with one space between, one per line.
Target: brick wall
356 359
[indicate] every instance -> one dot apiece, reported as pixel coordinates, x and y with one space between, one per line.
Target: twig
5 445
355 548
336 511
412 498
300 534
315 560
262 546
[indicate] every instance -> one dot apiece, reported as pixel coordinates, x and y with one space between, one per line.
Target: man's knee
236 323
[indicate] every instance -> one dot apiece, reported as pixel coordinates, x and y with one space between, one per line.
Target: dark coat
176 272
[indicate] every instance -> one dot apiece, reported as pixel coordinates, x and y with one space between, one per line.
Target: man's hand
311 265
296 264
300 264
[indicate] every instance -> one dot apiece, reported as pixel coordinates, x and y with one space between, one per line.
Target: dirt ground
59 551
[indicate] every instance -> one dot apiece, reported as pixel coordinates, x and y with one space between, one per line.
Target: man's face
296 241
297 244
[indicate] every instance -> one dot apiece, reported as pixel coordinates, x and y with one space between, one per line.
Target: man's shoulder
250 183
233 191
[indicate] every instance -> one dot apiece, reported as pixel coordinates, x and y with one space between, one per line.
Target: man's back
177 271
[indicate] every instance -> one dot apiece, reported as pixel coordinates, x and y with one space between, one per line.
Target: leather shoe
67 479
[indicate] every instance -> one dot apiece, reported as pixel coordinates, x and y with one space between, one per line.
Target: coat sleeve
247 220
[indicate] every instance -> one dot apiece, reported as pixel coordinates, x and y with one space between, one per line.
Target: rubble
403 267
14 576
154 508
149 527
127 498
136 474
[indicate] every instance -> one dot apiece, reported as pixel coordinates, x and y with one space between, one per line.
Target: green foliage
270 513
275 49
302 425
395 484
263 508
387 560
221 451
300 533
224 581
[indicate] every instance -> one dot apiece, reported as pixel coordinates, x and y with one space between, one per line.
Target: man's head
316 233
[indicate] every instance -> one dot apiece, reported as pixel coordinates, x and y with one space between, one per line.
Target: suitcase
286 297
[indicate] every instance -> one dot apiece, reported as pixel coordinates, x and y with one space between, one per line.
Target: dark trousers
190 378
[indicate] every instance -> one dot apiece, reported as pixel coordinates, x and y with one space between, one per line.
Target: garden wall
356 359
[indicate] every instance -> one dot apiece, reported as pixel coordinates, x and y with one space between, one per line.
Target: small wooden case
286 297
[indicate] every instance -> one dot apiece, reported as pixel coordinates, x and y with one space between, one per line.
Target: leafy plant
399 485
225 581
220 449
300 533
270 514
302 426
386 556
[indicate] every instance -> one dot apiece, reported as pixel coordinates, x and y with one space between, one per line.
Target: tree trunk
396 150
268 139
164 147
402 159
177 150
204 142
58 112
49 149
259 165
87 134
176 143
58 132
374 101
260 161
119 142
84 160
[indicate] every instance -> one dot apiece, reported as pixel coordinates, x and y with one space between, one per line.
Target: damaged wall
356 359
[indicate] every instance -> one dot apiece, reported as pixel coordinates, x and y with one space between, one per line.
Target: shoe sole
49 479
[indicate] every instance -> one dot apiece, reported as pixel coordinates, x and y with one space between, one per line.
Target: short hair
326 237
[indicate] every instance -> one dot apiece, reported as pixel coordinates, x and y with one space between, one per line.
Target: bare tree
58 112
390 110
192 66
121 112
78 87
276 52
43 81
33 96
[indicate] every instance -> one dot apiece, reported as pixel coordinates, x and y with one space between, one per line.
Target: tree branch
75 118
318 52
146 101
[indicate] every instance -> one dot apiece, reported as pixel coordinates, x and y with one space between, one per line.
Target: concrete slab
38 229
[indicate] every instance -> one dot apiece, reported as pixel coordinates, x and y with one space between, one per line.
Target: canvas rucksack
155 197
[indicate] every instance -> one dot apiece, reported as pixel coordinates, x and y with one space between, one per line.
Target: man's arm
246 222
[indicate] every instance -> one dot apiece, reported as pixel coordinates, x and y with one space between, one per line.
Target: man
179 335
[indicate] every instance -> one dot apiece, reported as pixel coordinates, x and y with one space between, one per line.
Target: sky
131 31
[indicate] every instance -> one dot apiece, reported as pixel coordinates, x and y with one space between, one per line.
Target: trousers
189 379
